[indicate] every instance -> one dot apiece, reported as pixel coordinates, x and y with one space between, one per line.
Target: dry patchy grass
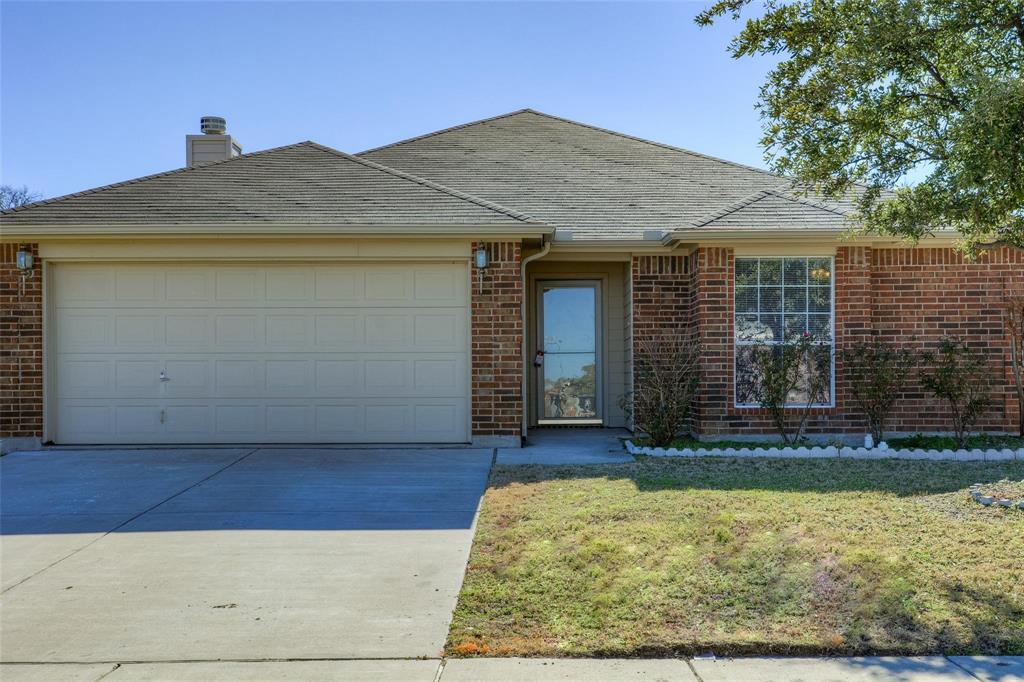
664 557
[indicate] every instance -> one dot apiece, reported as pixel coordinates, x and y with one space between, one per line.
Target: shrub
1013 307
960 377
790 380
877 374
666 373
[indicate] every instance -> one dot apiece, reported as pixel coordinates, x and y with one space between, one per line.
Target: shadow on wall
240 489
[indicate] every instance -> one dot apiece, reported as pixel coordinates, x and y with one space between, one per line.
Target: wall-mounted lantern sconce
481 258
24 260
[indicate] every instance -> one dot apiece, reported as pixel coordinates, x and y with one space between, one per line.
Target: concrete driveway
233 554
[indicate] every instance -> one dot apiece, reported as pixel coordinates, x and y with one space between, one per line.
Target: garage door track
233 554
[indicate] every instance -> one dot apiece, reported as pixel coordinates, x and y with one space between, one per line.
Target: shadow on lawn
893 476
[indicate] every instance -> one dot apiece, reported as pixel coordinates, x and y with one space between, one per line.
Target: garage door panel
378 420
296 353
238 285
397 330
297 375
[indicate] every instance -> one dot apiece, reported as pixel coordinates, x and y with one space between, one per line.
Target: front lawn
916 442
663 557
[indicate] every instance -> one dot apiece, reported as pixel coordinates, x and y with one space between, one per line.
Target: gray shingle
588 182
301 184
774 210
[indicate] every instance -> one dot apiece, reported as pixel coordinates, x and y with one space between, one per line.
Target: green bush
960 377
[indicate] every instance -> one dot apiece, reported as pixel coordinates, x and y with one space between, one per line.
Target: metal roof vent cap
213 125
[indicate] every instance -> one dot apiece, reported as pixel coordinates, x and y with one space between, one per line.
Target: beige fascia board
610 245
815 236
283 231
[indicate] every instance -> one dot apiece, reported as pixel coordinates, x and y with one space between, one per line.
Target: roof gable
775 209
299 184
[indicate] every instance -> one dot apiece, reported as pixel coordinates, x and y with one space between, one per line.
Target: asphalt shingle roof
774 209
589 182
300 184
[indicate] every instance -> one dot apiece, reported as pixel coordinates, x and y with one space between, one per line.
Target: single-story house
462 286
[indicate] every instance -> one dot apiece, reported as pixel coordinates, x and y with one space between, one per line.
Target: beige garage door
359 353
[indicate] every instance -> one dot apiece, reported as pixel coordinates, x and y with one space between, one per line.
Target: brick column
853 306
661 293
497 335
713 319
21 350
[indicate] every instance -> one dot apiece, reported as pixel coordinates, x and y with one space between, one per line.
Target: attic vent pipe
213 125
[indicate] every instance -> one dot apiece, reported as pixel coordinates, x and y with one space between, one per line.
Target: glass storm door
568 378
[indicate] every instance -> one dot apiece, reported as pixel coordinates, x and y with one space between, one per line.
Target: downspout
525 380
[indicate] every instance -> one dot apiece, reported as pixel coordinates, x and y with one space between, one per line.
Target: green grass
979 442
919 441
662 557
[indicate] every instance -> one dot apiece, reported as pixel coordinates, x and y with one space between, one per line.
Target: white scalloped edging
833 451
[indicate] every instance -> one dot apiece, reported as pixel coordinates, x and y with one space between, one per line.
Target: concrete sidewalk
569 447
866 669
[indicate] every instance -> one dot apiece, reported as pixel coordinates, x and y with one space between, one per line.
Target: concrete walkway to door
233 554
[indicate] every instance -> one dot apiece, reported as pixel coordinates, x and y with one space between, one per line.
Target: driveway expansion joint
963 668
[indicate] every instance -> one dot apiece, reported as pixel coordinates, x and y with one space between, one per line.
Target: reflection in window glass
778 300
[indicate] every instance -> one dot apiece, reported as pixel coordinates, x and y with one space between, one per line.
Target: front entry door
569 378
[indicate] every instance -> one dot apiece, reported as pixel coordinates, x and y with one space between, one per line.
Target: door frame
597 284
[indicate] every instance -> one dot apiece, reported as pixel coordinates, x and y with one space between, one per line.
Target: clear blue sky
94 93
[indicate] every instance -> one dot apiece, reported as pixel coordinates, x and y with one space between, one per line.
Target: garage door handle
164 377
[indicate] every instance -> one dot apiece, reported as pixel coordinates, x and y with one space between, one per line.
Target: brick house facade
21 346
415 339
496 340
908 297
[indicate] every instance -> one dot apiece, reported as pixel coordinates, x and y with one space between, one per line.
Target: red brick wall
923 294
497 296
909 296
712 316
661 289
21 346
661 294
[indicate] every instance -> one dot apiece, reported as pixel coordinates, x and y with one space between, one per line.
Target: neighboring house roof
776 210
300 184
589 182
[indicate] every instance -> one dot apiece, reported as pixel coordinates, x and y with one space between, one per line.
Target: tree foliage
921 97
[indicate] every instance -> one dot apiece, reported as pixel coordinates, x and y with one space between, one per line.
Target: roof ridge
807 202
152 176
518 215
730 208
779 191
446 130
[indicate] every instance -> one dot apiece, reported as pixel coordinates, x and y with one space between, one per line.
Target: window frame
831 345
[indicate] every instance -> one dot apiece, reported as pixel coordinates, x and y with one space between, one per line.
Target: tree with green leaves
914 107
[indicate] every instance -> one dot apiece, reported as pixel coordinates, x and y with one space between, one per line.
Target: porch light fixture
24 260
480 258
